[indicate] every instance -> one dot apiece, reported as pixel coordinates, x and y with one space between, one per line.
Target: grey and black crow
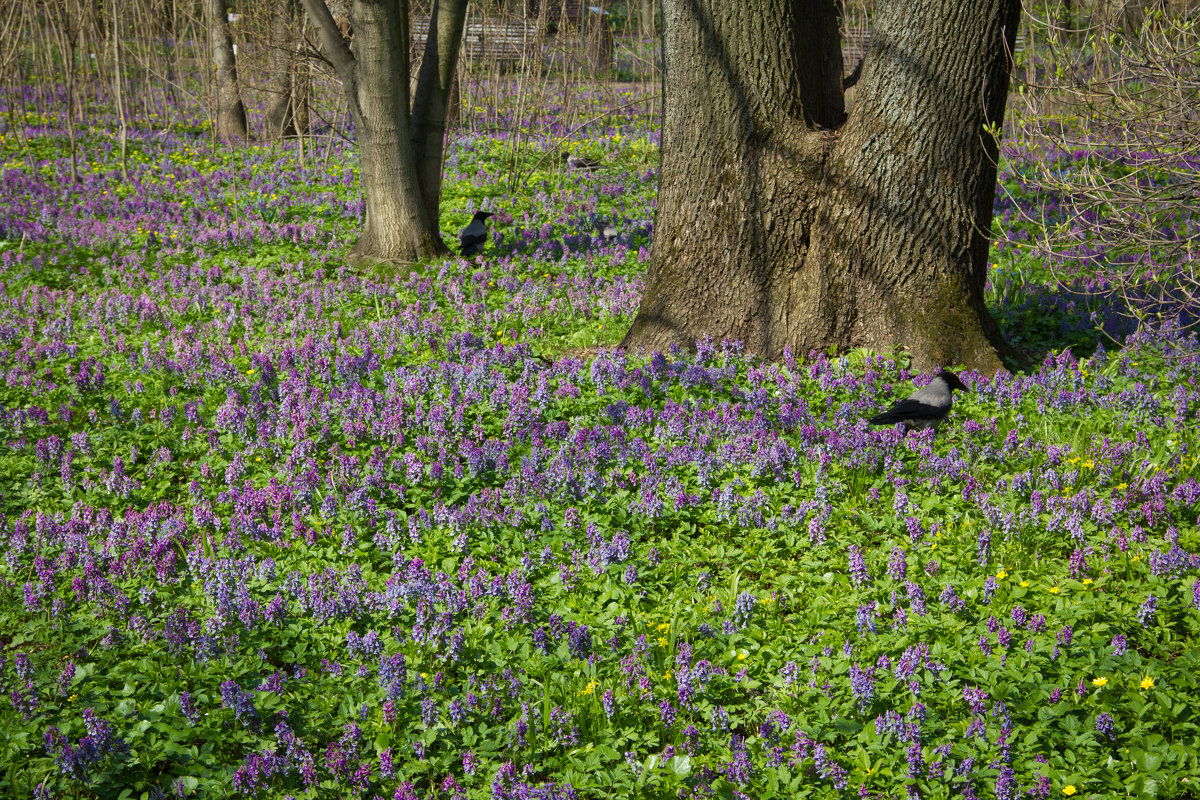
474 236
606 228
580 162
924 408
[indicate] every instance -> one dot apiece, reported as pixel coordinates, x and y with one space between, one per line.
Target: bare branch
335 44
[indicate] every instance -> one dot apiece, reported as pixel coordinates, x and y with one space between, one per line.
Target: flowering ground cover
275 527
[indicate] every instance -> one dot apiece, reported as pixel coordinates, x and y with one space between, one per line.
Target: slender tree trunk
785 225
1065 24
436 89
230 113
289 100
400 150
68 35
119 92
646 8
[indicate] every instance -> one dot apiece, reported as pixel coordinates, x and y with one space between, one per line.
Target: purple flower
916 763
976 698
865 618
240 701
429 712
743 609
1006 784
1119 645
1019 616
858 567
862 686
897 565
188 707
1105 727
829 769
1065 634
738 770
23 667
76 760
1148 611
916 598
579 642
950 598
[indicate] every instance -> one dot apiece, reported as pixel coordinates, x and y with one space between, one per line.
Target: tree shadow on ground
1039 318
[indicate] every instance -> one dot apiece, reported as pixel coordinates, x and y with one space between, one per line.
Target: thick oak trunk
397 146
230 116
784 224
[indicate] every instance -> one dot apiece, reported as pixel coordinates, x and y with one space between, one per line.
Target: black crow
473 237
580 162
924 408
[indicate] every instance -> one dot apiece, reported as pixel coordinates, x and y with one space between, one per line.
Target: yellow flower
1099 681
1001 575
662 642
741 656
1025 584
1147 682
1053 590
1068 790
1086 581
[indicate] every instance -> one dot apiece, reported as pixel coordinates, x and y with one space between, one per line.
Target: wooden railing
503 40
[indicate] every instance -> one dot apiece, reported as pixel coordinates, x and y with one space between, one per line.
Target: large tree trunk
783 224
397 149
230 114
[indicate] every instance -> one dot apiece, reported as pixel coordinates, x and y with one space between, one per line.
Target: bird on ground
607 229
924 408
580 162
472 238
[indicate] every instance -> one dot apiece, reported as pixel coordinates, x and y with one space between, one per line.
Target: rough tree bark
287 110
230 114
785 224
400 148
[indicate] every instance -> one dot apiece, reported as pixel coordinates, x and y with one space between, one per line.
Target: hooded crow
924 408
607 229
474 236
579 162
